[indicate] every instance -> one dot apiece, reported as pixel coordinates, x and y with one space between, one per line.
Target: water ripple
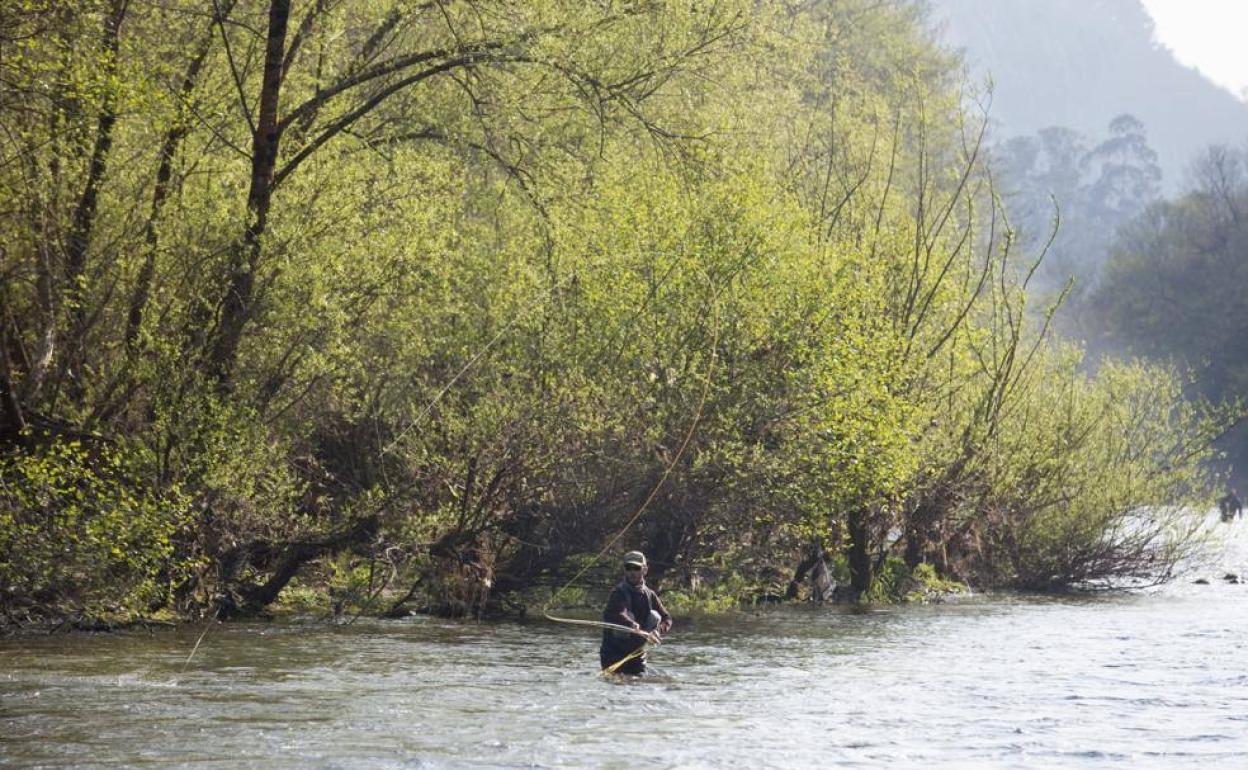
1145 680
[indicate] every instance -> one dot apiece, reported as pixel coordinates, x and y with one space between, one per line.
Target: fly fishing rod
651 639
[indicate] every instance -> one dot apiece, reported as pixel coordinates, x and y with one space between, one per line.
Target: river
1150 679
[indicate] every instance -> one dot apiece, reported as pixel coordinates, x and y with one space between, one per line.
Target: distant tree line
414 304
1176 285
1149 277
1058 183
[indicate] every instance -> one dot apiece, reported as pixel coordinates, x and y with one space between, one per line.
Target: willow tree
231 124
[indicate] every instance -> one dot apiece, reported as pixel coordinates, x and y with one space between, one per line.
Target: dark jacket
628 605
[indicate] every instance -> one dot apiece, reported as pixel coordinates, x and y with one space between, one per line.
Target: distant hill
1080 63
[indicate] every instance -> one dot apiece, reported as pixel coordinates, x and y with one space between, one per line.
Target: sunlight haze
1207 35
566 383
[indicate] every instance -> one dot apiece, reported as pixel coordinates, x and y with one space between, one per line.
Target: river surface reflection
1155 679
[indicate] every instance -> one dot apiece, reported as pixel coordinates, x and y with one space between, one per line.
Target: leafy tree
1176 282
422 302
1057 185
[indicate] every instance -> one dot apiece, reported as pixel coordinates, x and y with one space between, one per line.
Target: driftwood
282 561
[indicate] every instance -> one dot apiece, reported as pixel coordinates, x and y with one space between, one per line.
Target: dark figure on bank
635 606
1230 505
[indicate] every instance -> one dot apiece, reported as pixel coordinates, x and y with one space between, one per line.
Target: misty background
1144 162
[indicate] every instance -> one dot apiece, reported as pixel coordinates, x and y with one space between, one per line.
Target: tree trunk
237 304
861 569
14 423
85 212
40 217
285 559
803 568
45 345
919 532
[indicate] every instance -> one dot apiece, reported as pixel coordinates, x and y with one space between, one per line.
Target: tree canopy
419 302
1176 283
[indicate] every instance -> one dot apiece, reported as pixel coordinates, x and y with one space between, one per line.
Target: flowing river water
1148 679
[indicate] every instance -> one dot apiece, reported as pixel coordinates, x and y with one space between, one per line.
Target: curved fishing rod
649 636
428 409
541 300
651 639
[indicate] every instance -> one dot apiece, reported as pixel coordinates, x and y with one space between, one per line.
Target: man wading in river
633 605
1230 505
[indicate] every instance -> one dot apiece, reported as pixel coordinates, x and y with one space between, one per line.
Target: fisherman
1230 505
636 606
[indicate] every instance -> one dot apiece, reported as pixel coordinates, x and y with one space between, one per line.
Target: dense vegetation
418 302
1176 285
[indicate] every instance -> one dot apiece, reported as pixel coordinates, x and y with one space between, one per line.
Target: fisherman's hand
653 638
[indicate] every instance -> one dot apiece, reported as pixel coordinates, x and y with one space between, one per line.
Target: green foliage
929 585
1089 480
722 597
514 268
80 538
1174 288
891 582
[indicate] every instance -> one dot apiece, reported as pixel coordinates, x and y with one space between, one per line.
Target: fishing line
546 296
693 425
200 640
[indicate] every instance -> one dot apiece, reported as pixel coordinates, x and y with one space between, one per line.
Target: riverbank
1146 679
315 596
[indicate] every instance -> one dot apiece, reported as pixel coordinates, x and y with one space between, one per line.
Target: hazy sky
1208 35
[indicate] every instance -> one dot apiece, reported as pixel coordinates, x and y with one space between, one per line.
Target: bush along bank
429 340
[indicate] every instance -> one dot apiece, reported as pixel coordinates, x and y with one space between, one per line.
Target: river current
1157 678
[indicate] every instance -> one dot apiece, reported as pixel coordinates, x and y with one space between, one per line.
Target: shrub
79 537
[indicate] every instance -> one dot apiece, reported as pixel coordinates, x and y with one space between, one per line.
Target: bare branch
229 55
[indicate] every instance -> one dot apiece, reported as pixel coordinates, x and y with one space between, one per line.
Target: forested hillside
1126 160
1079 64
417 305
